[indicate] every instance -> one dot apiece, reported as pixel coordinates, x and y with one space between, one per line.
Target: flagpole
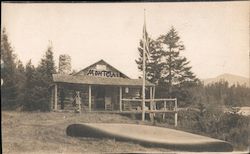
144 70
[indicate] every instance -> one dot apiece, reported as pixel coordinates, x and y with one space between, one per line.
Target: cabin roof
101 61
92 80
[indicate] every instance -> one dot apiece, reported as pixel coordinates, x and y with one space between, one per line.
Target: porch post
175 114
151 98
165 107
55 97
120 101
151 115
89 97
154 104
51 99
154 92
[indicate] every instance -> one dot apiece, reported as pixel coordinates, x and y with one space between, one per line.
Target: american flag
145 38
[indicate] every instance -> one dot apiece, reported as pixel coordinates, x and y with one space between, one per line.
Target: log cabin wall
67 93
110 95
102 82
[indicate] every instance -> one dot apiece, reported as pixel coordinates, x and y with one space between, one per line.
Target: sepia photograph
125 77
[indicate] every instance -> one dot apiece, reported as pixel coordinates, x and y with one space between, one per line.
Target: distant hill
230 78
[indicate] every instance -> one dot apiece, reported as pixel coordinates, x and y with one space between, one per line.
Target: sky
215 34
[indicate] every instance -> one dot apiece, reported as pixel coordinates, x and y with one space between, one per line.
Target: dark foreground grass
38 132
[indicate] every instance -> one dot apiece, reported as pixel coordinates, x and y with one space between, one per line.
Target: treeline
25 87
221 95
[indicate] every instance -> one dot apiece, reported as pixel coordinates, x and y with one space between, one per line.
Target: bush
230 127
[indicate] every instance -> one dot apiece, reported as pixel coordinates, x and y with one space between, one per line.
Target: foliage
20 79
43 78
211 113
176 70
25 88
30 99
230 127
9 74
209 107
153 65
166 68
220 94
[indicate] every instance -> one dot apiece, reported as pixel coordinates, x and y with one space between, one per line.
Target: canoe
151 136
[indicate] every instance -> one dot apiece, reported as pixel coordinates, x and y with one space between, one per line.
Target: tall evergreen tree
47 65
30 98
20 78
44 73
9 89
166 67
176 68
153 67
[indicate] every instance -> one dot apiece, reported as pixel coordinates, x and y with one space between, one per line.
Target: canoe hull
100 131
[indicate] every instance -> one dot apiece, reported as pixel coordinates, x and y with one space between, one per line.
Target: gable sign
102 71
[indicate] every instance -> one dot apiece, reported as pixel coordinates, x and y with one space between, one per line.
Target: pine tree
153 67
166 68
30 102
44 73
20 78
176 71
9 89
47 65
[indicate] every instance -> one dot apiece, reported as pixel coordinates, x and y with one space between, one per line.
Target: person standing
77 102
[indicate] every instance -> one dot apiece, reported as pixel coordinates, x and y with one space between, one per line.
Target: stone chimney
64 64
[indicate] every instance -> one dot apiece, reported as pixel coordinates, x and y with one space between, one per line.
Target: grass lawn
38 132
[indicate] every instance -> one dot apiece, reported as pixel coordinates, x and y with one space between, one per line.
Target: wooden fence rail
153 109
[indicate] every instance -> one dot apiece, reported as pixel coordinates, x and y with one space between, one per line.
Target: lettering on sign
103 73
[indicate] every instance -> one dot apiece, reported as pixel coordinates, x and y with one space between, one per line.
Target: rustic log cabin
98 87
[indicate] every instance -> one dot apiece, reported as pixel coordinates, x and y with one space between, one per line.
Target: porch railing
155 106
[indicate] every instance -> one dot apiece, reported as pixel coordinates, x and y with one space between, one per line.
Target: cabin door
100 98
